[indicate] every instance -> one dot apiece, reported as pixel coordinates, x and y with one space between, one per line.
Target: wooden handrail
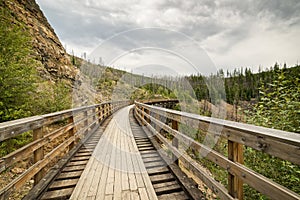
13 128
282 144
88 119
285 145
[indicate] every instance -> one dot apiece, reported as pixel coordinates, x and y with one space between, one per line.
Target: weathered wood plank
63 183
105 168
66 175
92 192
190 186
34 169
14 128
76 163
192 166
118 170
74 168
282 144
42 185
235 184
58 194
250 177
125 170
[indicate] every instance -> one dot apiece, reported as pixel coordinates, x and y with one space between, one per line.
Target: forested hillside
275 103
243 84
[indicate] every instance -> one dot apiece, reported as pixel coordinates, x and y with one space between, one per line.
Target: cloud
229 30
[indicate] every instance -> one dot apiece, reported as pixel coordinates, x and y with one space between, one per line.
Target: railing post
143 115
147 111
38 154
86 121
106 109
235 184
175 141
102 111
156 126
99 114
110 108
94 114
71 132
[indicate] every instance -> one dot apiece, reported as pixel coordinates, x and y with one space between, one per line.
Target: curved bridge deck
116 169
106 151
118 162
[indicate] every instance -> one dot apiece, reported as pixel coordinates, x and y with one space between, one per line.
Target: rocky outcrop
46 45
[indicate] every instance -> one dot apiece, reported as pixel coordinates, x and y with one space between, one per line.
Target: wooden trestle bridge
115 150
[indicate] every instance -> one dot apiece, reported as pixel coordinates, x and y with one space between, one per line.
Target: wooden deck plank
158 170
125 178
135 195
143 193
162 178
178 196
88 182
117 170
75 163
150 155
147 185
111 171
63 183
96 178
84 176
58 194
131 175
167 187
126 195
68 175
82 179
155 164
105 163
74 168
80 158
83 154
109 197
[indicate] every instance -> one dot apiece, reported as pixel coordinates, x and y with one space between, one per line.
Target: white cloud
262 48
234 33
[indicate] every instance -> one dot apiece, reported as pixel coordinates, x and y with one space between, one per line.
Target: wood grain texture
116 169
284 145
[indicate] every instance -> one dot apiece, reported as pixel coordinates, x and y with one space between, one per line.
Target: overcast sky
185 36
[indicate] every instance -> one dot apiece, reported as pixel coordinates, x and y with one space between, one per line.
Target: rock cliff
49 51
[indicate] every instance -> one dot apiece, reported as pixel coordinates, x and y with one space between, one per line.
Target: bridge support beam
235 184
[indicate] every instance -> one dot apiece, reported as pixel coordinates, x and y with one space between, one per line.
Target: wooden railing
281 144
76 124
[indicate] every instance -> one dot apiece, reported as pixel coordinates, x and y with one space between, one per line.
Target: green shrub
278 108
17 69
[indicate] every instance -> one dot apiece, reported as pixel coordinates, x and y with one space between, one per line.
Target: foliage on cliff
18 74
279 108
23 92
